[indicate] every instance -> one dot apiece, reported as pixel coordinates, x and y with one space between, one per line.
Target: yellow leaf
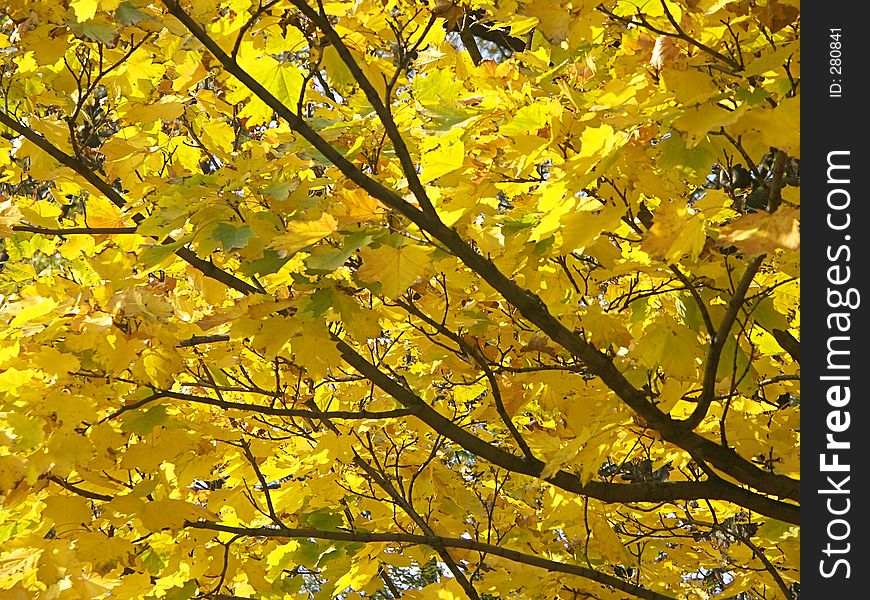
102 213
70 451
664 52
172 513
671 346
597 141
359 207
359 574
274 334
84 9
689 87
561 457
779 127
283 80
67 510
698 121
396 269
9 216
17 564
168 108
581 227
554 205
301 234
606 540
442 160
30 310
531 118
553 18
337 72
314 349
761 232
674 234
331 447
446 589
157 365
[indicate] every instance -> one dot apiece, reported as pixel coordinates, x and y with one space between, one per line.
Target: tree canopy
494 299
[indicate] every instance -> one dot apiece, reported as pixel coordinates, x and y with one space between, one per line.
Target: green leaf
184 592
691 162
324 258
95 31
310 552
127 14
323 519
155 254
688 310
141 423
153 561
232 237
318 304
271 262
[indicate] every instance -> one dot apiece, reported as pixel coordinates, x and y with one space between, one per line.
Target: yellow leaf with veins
396 269
761 233
301 234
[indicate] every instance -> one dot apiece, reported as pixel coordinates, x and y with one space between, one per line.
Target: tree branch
371 94
114 196
262 410
717 344
699 302
528 304
433 542
477 356
680 34
74 230
774 199
77 490
713 487
405 505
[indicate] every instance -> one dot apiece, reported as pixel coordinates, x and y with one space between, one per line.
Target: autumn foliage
493 299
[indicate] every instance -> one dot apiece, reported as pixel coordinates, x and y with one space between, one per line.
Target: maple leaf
761 233
394 269
675 233
10 215
301 234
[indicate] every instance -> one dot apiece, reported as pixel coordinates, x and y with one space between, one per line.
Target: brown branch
77 490
738 145
499 37
717 344
471 45
114 196
388 581
528 304
702 308
406 506
758 552
249 23
209 269
775 197
433 542
264 485
203 339
713 487
788 343
74 230
262 410
478 358
680 34
380 107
